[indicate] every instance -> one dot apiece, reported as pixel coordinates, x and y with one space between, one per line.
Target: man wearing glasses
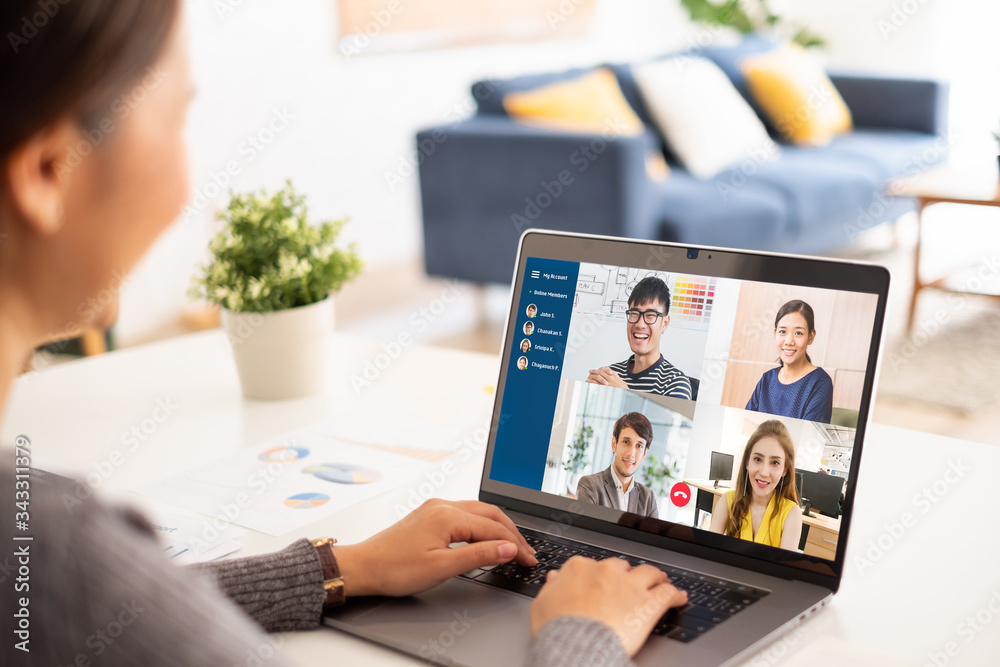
646 370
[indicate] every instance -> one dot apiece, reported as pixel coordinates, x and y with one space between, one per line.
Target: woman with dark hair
92 170
796 388
764 506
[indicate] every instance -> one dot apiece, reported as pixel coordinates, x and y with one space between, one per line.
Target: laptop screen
710 396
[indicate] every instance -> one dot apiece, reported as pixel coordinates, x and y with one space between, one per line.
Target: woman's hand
413 554
628 600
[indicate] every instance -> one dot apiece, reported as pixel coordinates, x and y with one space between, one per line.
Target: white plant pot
281 354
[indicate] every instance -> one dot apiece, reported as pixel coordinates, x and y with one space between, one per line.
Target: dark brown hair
72 58
638 423
804 309
787 488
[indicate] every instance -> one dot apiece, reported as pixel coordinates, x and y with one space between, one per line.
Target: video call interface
730 406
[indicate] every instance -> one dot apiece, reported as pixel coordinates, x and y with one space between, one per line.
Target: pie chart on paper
305 501
284 454
343 473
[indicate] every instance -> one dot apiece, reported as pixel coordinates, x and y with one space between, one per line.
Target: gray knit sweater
100 592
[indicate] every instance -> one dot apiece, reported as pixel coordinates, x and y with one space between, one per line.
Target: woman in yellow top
764 506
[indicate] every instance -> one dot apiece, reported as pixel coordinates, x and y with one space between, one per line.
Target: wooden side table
942 185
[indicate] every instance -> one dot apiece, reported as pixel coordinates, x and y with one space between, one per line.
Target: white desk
910 601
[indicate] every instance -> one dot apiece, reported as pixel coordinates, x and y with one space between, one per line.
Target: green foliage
578 450
657 474
807 39
727 13
268 257
733 14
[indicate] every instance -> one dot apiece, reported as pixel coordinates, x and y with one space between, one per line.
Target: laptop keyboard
711 601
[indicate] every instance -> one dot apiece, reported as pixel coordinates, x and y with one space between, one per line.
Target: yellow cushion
591 103
657 168
797 95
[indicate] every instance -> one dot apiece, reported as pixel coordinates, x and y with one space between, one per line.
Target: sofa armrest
485 180
899 103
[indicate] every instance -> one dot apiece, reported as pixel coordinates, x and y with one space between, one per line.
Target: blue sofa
484 180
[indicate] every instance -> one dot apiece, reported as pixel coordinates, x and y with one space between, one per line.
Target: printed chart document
295 479
187 539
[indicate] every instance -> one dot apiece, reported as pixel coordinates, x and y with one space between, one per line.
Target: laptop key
544 556
472 574
524 588
504 569
686 584
695 623
706 614
745 599
725 607
699 599
663 628
712 603
750 591
684 635
596 552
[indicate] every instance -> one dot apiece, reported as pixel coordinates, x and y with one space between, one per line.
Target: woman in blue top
796 388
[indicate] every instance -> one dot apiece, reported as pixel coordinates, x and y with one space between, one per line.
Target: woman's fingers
525 553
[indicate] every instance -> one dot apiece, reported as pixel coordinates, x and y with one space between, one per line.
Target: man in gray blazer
616 487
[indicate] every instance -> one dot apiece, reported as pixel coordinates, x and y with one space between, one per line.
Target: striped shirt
661 378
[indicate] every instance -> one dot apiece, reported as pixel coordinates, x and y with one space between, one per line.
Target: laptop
715 386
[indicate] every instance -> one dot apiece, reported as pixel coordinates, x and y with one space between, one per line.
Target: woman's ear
37 177
812 336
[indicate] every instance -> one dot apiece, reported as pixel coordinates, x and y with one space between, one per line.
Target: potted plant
272 274
577 457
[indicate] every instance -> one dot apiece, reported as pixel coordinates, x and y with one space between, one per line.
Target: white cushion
704 119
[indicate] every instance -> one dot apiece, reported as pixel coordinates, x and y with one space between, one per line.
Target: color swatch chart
691 299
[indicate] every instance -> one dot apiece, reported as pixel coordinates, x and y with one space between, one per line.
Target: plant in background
748 16
268 257
658 474
578 450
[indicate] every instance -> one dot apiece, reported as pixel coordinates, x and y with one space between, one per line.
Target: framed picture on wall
379 26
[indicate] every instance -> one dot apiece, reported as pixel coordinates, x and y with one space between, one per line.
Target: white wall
353 121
